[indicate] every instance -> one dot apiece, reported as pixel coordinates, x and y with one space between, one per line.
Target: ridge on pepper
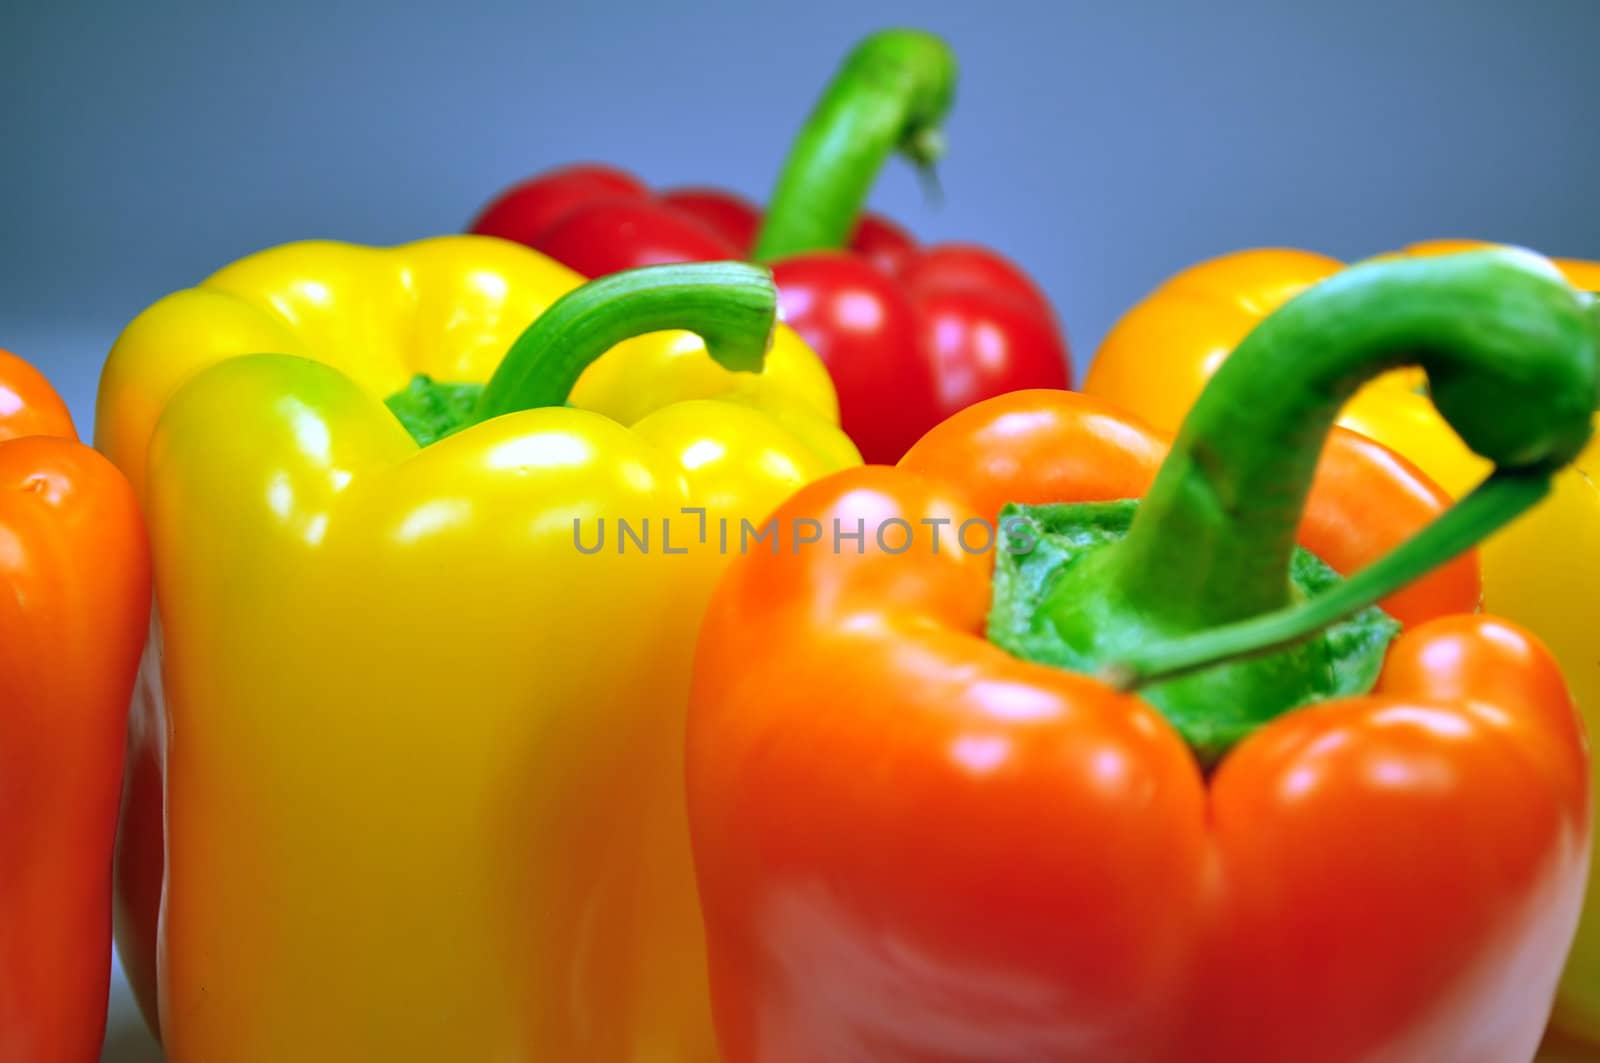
910 334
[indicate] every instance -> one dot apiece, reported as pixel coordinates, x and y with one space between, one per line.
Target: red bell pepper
74 605
910 334
915 844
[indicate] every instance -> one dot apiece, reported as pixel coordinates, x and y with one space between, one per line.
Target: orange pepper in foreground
916 844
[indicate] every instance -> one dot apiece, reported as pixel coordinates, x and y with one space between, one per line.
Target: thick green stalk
1508 351
732 306
891 94
1199 585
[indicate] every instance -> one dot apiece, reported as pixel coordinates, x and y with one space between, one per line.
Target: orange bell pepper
74 604
1306 843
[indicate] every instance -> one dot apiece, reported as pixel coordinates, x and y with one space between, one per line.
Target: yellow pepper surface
1543 571
422 755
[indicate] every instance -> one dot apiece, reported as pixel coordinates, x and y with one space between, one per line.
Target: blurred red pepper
910 334
74 605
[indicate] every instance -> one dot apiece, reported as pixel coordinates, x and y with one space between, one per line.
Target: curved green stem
1196 599
730 305
1507 348
892 93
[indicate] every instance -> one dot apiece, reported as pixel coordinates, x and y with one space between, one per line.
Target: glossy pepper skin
999 859
74 603
599 219
1542 572
423 794
910 334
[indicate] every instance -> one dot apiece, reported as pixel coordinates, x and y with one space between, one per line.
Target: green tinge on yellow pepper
422 757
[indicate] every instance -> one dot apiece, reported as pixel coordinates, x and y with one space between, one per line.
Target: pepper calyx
1037 615
731 306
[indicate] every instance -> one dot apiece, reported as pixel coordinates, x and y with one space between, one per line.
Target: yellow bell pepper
420 741
1543 571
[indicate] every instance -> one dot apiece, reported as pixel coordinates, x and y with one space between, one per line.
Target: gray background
1102 145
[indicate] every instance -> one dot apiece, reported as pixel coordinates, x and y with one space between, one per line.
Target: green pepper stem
1509 352
891 93
1195 603
1489 507
732 306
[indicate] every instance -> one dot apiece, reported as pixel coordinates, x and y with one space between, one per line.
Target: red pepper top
911 334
